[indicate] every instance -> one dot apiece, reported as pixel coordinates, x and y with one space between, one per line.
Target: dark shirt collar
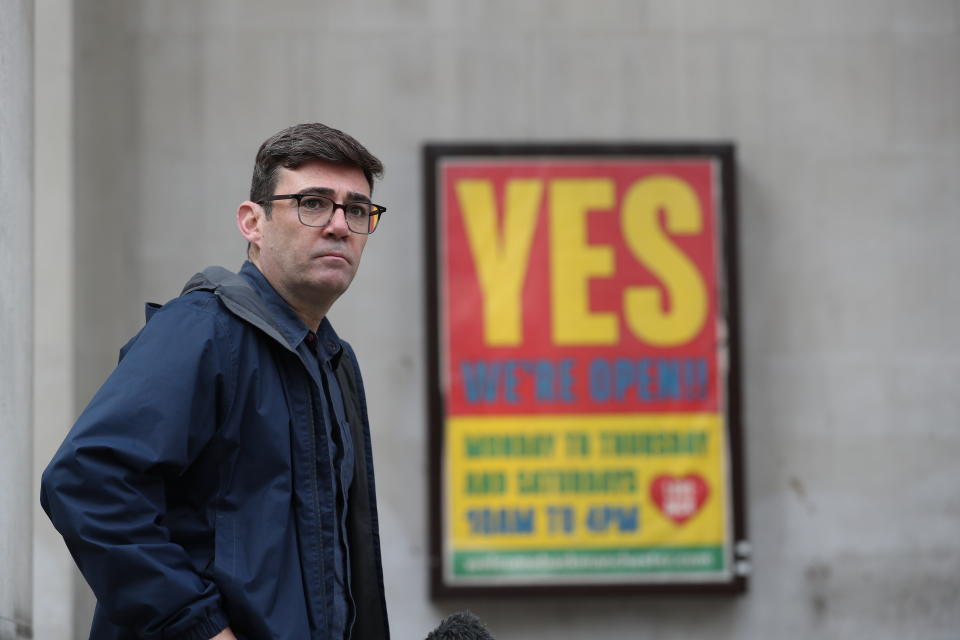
327 343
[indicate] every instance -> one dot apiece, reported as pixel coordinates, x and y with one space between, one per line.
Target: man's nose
337 226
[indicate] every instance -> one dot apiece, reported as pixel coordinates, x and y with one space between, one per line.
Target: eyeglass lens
316 211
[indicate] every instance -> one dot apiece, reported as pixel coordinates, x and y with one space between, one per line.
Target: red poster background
462 303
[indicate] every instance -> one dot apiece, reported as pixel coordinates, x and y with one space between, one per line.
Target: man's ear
250 219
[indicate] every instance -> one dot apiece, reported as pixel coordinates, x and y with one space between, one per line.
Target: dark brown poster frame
724 155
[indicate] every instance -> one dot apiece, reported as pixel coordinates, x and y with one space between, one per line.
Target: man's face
312 264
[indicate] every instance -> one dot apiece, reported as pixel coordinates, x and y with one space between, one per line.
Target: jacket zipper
316 498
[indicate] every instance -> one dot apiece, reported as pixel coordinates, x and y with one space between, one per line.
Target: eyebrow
352 196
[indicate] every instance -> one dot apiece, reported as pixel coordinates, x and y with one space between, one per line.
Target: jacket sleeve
104 490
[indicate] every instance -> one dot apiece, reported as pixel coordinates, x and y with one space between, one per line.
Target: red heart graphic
679 498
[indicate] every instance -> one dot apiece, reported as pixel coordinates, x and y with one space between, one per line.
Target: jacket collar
285 319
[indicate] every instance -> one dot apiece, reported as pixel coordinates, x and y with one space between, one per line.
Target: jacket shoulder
238 297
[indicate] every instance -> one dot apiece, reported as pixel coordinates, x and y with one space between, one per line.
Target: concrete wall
108 204
54 409
16 315
847 119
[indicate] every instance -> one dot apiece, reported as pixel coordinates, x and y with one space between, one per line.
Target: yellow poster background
592 468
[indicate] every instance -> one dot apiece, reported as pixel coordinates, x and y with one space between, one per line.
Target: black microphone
462 625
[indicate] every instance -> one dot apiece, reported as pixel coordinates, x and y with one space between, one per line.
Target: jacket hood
239 297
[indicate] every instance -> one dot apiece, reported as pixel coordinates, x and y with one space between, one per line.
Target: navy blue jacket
189 492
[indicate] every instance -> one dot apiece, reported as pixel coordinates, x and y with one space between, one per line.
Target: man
220 483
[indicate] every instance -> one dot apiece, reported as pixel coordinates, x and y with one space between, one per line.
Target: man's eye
312 204
358 210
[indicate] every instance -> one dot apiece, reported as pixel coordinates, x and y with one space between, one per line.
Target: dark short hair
303 143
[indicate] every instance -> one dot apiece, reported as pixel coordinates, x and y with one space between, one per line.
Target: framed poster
583 369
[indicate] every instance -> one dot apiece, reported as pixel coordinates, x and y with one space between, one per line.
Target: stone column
16 316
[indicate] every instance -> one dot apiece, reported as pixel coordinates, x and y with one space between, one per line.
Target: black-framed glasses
315 210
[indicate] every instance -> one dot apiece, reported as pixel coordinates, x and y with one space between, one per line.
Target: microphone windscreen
462 625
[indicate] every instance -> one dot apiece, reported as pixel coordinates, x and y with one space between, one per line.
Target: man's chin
328 284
